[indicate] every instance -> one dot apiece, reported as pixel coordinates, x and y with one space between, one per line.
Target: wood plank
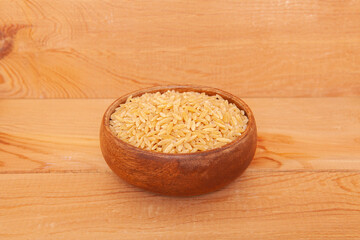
271 205
97 49
59 135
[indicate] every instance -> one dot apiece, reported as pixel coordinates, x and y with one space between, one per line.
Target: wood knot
7 34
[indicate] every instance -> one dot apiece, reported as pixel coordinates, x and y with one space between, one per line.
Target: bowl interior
183 88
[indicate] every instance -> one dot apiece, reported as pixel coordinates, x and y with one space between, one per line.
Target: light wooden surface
97 48
61 135
297 65
259 205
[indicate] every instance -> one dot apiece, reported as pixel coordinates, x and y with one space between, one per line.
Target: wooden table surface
296 63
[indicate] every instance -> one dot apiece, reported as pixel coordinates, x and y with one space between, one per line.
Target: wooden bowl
179 174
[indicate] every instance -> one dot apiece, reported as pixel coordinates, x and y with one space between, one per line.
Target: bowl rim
196 88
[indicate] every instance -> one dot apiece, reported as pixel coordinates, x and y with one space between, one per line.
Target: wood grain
61 135
259 205
304 182
103 49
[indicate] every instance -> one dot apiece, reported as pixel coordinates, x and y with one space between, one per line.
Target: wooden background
296 63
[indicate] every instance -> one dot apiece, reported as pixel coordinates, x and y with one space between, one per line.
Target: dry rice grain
174 122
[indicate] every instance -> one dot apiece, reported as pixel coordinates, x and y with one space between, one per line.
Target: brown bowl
179 174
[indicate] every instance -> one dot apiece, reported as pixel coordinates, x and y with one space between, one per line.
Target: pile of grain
175 122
